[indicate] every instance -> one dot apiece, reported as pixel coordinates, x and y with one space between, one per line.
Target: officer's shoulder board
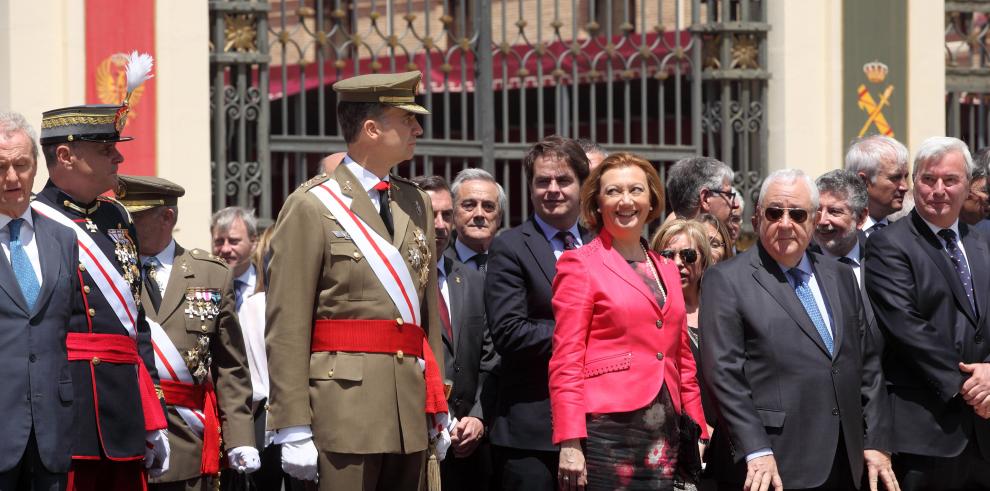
202 255
313 181
119 206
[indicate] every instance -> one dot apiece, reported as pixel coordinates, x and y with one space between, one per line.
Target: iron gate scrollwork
663 78
967 71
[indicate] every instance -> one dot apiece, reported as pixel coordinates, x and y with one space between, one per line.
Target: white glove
299 459
440 425
244 459
422 364
156 452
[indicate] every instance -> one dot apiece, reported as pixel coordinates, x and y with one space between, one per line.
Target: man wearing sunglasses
701 185
881 162
794 374
928 276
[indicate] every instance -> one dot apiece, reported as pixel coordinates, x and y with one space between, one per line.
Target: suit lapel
936 252
456 306
772 279
614 262
400 219
828 282
539 246
48 256
9 284
360 202
979 268
175 289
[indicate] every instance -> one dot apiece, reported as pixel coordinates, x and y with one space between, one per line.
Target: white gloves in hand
244 459
440 425
156 452
299 459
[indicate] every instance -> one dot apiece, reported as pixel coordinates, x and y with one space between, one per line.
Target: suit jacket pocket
347 264
772 418
337 366
65 391
607 364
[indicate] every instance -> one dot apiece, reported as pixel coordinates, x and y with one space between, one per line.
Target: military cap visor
140 193
93 123
392 89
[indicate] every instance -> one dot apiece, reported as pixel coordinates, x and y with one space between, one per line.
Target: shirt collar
852 254
935 228
440 265
550 232
870 222
367 179
464 253
166 256
804 266
27 216
248 277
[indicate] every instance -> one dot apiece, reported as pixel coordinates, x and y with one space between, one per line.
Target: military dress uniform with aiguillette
357 401
201 360
109 345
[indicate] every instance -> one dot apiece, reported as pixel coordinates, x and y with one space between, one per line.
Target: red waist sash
384 337
203 398
120 349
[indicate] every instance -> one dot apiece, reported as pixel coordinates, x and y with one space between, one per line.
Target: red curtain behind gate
114 28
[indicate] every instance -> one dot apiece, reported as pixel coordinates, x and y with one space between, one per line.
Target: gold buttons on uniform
659 356
356 254
398 354
399 321
92 312
96 360
329 374
86 288
203 328
81 267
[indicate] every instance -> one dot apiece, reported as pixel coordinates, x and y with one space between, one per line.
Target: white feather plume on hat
138 70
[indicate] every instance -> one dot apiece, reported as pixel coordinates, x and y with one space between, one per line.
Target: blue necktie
807 298
238 294
22 264
959 263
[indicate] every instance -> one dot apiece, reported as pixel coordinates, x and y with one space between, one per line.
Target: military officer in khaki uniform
199 350
352 305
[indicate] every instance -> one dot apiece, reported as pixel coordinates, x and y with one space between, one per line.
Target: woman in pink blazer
621 372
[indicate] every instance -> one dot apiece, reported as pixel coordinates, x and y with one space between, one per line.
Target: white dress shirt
27 240
870 223
551 234
367 180
853 254
166 258
250 281
955 229
466 254
252 320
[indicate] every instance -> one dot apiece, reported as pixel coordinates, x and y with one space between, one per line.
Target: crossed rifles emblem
875 72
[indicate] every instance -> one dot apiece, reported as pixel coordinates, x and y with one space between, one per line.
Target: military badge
127 256
199 358
419 256
203 303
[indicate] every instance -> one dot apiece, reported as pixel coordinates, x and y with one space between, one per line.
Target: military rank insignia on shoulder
313 181
207 256
120 207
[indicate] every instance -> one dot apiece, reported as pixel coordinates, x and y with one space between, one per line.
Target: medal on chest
199 358
203 303
419 256
127 256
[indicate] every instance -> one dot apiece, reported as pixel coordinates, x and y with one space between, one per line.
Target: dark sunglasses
689 256
798 215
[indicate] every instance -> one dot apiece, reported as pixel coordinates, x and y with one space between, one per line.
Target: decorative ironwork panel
499 76
967 71
239 112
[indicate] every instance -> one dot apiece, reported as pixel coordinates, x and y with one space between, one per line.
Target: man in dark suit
469 357
478 202
882 163
518 293
37 280
788 359
929 279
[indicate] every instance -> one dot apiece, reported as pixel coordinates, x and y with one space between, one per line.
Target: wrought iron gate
967 71
663 78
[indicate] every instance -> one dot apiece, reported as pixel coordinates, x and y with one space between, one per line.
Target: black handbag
688 455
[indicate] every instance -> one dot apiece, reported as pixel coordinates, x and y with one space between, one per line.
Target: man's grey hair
846 184
788 176
223 219
688 177
936 147
472 174
591 146
11 122
865 154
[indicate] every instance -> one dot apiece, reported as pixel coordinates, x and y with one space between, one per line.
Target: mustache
827 229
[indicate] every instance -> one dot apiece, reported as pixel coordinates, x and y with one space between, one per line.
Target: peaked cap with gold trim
91 122
393 89
140 193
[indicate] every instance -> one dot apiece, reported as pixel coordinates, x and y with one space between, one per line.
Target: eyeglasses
797 215
689 256
730 196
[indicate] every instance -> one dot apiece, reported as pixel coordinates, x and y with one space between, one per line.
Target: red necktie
445 315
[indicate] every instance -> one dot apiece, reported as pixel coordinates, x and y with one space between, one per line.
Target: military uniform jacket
359 403
109 418
191 270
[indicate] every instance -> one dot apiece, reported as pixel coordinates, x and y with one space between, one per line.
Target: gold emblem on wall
111 84
876 73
